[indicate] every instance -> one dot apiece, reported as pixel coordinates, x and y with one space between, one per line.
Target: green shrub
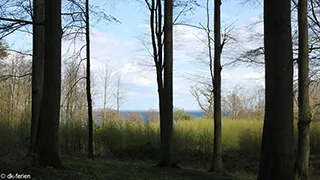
180 114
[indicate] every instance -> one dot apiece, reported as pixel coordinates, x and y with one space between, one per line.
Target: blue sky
121 46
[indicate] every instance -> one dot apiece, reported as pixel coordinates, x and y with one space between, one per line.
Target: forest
62 102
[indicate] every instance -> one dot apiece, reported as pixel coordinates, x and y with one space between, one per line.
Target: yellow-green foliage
197 135
194 136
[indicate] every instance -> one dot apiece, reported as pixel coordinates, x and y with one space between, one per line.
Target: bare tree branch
20 21
6 77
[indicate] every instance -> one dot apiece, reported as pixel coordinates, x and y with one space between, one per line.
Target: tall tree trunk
277 149
90 119
217 139
303 151
48 128
37 69
164 69
158 31
167 150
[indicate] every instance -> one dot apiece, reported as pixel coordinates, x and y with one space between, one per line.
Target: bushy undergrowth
193 139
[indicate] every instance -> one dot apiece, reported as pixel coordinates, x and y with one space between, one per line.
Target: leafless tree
204 98
107 87
119 95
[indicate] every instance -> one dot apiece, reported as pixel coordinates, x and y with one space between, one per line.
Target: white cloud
140 83
144 81
254 19
253 75
126 69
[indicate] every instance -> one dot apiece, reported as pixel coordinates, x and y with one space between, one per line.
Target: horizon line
146 110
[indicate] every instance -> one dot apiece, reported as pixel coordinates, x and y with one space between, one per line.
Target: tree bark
48 128
217 139
37 69
277 150
303 151
90 118
167 150
164 74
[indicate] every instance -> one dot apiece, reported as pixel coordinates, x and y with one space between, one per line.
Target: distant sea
194 113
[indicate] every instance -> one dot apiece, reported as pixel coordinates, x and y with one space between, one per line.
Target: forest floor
116 170
102 169
80 168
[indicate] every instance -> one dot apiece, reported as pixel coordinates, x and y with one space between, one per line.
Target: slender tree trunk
90 118
303 151
167 151
105 88
118 97
277 150
158 30
159 34
12 90
37 69
48 128
217 139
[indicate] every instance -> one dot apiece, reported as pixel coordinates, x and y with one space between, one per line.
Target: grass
106 169
85 169
133 141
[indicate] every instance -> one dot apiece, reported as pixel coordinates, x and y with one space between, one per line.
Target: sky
121 46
